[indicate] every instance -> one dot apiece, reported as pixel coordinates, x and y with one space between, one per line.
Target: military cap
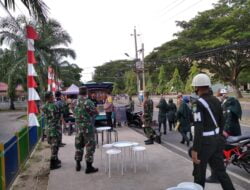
83 90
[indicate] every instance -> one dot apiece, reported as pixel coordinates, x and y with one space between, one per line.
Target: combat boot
54 164
212 179
150 141
90 168
58 161
78 166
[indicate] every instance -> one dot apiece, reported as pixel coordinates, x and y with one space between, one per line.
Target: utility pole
136 60
143 68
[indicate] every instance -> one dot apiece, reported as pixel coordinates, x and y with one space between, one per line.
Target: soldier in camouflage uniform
84 111
148 107
62 106
52 115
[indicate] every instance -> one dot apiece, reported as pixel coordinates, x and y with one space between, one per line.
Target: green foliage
116 90
113 71
162 81
149 85
175 84
130 83
192 72
51 48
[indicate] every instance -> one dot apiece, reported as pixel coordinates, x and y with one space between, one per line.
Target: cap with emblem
223 91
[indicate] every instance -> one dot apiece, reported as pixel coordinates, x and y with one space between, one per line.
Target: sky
101 29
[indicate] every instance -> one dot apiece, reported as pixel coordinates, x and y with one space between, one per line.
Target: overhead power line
236 45
170 8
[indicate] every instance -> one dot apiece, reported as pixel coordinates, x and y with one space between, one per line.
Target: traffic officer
232 113
148 108
85 134
52 115
208 140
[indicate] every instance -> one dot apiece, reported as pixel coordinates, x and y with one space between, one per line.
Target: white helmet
223 91
201 80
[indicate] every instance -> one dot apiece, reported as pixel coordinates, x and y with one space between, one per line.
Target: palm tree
51 48
36 8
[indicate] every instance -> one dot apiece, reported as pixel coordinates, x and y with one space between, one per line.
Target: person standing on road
148 108
52 115
172 109
162 115
232 113
109 108
62 106
208 140
85 134
184 116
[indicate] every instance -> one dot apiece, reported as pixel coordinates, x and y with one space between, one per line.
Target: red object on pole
31 33
32 107
31 82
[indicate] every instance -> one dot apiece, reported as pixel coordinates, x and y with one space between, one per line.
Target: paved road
172 141
9 124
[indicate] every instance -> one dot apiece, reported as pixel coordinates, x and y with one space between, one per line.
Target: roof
3 86
97 86
73 89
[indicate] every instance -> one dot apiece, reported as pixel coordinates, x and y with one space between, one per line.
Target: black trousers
211 152
109 119
171 125
164 122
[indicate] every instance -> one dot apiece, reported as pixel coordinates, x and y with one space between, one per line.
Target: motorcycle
237 152
134 119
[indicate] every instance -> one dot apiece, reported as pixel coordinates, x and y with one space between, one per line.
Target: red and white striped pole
32 93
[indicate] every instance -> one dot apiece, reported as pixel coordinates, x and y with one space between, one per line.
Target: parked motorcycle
237 152
134 119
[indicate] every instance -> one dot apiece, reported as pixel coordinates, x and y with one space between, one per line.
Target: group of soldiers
213 118
84 111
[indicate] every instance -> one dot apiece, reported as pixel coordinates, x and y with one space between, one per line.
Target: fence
15 152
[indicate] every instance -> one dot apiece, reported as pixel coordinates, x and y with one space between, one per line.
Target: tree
227 23
130 83
36 8
116 90
192 72
149 85
175 84
113 71
161 88
51 49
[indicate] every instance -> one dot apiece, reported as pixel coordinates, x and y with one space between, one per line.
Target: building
20 93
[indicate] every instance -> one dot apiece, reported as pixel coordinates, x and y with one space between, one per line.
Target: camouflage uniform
62 106
84 111
52 115
148 107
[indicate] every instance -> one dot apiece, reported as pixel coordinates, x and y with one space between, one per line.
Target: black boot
90 168
54 164
149 141
212 179
58 161
78 166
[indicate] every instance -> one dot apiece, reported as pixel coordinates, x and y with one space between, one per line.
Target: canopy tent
73 89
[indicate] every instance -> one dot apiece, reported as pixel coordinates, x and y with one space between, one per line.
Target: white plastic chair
191 185
106 147
137 152
109 154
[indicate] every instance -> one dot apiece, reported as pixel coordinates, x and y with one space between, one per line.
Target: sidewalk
166 169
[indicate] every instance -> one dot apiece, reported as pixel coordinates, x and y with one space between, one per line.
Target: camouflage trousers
54 146
87 140
149 132
59 130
